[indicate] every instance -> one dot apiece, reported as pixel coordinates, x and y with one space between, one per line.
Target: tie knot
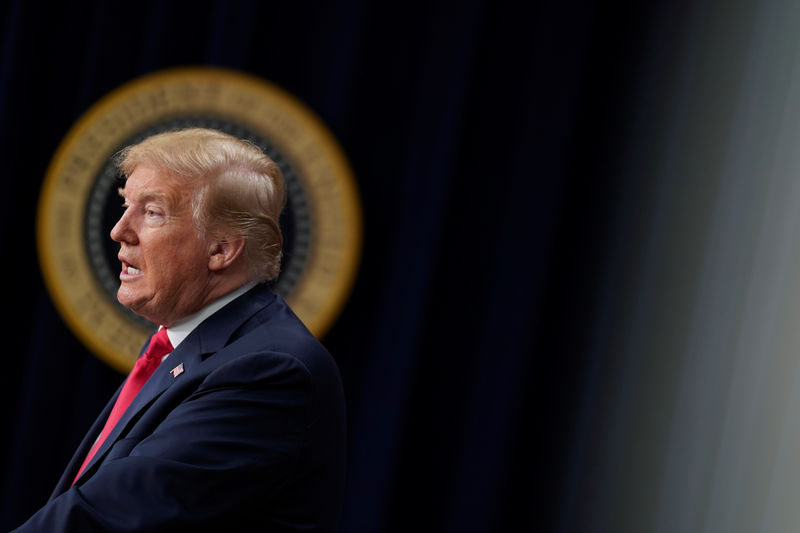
159 345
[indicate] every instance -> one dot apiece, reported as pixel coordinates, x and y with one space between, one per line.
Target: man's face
165 275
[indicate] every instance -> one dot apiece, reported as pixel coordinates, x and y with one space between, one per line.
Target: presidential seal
79 203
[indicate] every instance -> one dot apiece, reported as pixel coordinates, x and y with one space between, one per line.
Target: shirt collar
180 330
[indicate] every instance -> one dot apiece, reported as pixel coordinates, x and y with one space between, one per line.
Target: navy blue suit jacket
249 437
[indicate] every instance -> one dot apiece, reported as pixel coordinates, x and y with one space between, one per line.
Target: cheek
188 260
188 255
174 256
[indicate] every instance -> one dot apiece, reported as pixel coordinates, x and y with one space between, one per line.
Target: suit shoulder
275 340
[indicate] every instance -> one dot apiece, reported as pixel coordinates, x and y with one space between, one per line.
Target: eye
153 214
151 211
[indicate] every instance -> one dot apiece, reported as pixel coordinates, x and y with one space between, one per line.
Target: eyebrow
145 196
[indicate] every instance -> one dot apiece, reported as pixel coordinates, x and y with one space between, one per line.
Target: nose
122 230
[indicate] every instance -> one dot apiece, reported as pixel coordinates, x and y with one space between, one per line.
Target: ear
224 253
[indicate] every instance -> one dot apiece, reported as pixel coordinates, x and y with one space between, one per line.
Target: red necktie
159 347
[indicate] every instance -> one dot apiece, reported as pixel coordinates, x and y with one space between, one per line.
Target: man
240 426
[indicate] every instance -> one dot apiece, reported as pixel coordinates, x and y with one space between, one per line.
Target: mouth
128 270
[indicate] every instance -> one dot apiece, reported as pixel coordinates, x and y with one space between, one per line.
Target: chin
133 304
124 299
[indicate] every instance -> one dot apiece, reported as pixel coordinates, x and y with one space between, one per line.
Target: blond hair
239 190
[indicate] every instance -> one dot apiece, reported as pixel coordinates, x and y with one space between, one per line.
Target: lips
128 270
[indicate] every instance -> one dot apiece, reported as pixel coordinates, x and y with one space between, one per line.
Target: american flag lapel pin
177 371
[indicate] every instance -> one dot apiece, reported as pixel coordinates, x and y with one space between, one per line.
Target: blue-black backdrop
486 139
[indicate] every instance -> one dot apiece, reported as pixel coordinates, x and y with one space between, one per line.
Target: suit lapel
208 338
152 389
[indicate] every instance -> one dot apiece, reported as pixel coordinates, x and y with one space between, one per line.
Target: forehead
147 183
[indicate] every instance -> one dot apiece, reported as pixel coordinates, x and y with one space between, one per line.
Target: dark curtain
489 142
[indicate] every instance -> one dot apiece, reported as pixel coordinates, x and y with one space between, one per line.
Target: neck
217 287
